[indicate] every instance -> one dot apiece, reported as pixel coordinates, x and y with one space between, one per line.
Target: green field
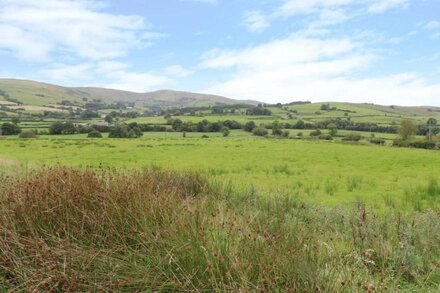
329 173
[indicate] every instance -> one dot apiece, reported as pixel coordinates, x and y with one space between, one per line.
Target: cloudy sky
380 51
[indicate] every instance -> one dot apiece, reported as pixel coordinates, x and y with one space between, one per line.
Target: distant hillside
43 94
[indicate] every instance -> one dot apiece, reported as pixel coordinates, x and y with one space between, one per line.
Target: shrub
419 144
27 134
326 137
94 134
249 126
316 132
352 137
379 141
260 131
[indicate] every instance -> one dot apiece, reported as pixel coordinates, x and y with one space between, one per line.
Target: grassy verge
64 229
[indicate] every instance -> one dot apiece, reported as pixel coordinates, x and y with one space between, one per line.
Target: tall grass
73 230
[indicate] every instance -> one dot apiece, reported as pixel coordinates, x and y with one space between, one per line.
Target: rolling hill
44 94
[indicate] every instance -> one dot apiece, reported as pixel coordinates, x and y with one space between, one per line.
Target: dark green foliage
326 137
58 128
9 129
352 137
258 111
419 144
315 133
379 141
249 126
94 134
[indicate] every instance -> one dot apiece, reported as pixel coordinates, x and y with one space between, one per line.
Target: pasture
320 172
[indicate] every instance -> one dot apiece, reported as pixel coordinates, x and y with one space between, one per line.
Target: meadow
221 210
321 172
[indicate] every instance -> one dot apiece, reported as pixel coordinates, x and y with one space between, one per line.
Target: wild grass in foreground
65 229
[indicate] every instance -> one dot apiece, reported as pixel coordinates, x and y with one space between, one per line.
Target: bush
326 137
316 132
352 137
27 134
419 144
249 126
260 131
94 134
378 141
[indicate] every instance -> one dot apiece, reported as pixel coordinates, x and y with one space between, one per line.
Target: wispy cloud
34 30
381 6
433 27
316 69
113 74
256 21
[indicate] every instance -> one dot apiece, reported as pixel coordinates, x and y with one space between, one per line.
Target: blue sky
378 51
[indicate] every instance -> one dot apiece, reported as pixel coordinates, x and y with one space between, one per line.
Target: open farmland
319 172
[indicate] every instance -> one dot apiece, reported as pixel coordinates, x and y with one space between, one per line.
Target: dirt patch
36 108
7 162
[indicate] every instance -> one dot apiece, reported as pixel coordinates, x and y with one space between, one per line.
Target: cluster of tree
260 110
203 126
131 130
298 103
327 107
9 129
342 125
115 115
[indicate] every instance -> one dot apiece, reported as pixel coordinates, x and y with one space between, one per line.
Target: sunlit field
329 173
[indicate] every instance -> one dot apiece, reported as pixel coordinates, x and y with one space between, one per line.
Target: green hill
43 94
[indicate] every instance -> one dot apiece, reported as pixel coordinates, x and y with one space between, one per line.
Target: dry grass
68 230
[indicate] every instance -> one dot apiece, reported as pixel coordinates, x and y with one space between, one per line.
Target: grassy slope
316 171
27 91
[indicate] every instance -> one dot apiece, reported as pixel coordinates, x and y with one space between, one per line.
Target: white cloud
294 7
178 71
432 26
65 73
381 6
256 21
34 30
278 53
313 69
112 74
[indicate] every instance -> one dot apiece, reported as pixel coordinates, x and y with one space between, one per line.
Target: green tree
407 129
108 119
9 129
56 128
249 126
277 129
333 129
